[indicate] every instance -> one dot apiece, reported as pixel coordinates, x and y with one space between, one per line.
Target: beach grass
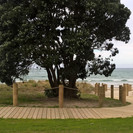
32 93
28 92
108 102
115 125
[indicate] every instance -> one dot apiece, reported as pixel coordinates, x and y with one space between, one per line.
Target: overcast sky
125 57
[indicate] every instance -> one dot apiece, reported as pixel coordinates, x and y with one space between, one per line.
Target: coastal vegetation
32 94
61 37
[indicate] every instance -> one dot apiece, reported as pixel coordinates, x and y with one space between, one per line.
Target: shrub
51 93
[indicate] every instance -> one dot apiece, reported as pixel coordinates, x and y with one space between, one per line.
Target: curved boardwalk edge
67 113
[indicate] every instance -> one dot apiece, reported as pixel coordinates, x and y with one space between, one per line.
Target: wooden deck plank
39 116
22 113
35 113
79 116
69 113
53 113
27 113
48 113
5 111
85 113
31 113
65 113
61 113
82 113
20 109
57 114
44 113
2 110
72 113
88 113
93 112
98 113
14 112
10 113
109 113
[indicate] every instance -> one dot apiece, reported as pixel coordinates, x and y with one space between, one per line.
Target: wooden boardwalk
66 113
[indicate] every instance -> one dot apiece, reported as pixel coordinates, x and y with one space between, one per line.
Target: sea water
118 77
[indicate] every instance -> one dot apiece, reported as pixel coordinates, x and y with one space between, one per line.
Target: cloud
125 56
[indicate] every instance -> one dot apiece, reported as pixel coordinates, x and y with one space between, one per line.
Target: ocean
118 77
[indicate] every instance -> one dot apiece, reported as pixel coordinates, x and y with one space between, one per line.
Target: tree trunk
72 92
55 81
52 80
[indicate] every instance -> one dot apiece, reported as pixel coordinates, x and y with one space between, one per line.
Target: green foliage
60 36
50 93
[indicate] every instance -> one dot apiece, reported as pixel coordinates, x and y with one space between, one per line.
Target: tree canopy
60 36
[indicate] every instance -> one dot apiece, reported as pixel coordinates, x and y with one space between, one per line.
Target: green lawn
118 125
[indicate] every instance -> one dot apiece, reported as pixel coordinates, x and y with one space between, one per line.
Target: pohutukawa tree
60 36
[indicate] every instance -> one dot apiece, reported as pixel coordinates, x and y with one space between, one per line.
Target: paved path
66 113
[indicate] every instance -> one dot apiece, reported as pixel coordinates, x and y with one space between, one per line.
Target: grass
31 93
117 125
108 102
84 87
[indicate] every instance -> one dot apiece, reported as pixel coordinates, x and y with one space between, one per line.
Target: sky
125 57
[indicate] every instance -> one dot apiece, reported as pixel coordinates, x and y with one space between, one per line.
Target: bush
51 93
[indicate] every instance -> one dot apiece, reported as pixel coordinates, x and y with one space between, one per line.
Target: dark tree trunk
72 92
50 78
55 81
